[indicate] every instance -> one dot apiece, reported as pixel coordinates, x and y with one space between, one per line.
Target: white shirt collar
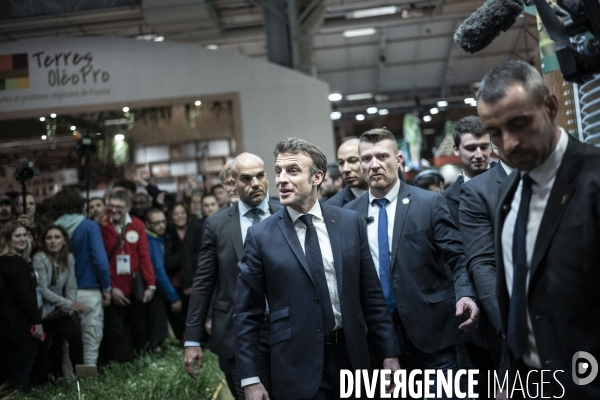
391 195
506 168
465 178
546 170
315 211
244 208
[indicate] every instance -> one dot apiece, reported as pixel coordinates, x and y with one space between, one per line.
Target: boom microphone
487 23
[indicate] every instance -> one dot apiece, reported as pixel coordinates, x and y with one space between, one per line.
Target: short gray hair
295 146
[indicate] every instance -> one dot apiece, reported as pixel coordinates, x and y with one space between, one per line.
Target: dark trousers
335 358
115 318
156 321
49 358
177 320
486 361
229 367
16 361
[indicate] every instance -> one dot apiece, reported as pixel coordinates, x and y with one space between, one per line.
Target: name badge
124 264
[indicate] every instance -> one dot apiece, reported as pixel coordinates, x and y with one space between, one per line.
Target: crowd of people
350 268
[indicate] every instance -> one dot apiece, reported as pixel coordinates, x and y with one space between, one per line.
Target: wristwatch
152 287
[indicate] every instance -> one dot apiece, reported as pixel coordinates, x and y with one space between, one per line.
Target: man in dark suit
312 263
222 248
472 145
411 236
349 166
546 235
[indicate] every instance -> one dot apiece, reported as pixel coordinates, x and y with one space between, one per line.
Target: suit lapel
235 230
289 233
401 210
349 195
332 222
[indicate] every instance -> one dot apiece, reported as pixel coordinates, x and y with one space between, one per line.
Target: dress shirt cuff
250 381
191 344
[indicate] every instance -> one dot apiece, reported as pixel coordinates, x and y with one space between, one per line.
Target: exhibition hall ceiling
405 57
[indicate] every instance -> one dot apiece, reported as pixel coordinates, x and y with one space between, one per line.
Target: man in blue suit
312 264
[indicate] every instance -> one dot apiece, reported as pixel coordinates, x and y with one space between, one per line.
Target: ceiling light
434 111
125 109
42 119
372 110
146 37
427 118
359 96
43 137
335 97
372 12
52 115
119 137
474 104
159 39
384 111
212 47
73 127
335 115
359 32
360 117
442 103
469 100
197 103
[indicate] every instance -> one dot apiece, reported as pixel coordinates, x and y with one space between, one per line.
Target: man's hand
256 391
190 356
37 332
466 306
208 325
187 291
393 365
105 299
119 297
148 294
75 306
176 307
26 220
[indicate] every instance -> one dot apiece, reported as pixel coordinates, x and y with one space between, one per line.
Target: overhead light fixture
335 97
474 104
125 109
427 118
197 103
442 103
359 32
43 137
372 12
159 39
42 119
119 137
434 111
52 115
359 96
360 117
212 47
469 100
372 110
384 111
335 115
73 127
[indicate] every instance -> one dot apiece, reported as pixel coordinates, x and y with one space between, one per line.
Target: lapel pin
405 200
564 199
332 221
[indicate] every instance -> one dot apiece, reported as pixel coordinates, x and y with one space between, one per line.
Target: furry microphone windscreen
487 23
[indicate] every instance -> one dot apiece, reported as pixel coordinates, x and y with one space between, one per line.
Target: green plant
157 375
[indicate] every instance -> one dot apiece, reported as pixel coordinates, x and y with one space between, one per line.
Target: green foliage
159 375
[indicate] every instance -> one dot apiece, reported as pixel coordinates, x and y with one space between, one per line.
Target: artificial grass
157 375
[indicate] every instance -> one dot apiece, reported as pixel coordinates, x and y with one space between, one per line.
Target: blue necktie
517 312
385 270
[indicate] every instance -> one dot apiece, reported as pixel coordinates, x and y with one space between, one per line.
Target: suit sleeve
375 309
448 240
249 308
190 252
145 263
478 240
203 285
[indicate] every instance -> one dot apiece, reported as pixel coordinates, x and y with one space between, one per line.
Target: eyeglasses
163 222
115 207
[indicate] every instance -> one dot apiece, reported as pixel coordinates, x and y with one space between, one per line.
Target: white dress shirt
506 168
372 227
543 178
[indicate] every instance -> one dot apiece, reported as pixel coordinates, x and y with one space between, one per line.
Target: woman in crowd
209 205
55 269
20 319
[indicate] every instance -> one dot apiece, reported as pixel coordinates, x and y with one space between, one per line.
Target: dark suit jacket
18 304
563 295
452 196
222 249
425 237
190 251
341 198
275 266
478 202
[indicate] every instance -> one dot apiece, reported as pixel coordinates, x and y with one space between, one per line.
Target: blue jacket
91 262
157 255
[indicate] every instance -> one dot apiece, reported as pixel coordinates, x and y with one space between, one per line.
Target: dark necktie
255 214
312 250
385 270
517 312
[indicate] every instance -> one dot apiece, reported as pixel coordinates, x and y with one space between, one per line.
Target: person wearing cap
5 211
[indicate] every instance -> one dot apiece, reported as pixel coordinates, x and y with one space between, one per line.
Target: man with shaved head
349 166
222 249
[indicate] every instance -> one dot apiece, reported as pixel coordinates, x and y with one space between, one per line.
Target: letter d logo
584 367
